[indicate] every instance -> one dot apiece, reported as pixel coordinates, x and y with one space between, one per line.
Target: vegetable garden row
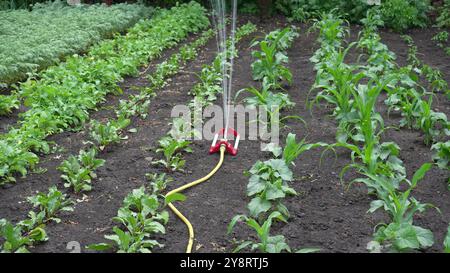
96 150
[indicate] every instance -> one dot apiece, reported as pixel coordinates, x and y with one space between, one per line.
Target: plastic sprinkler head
229 147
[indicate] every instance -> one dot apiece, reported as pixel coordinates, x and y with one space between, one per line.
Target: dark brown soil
325 214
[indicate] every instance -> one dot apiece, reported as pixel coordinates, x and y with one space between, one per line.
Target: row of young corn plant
143 213
269 180
353 90
18 238
62 98
405 94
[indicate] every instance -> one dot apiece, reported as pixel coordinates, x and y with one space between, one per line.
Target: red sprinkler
229 147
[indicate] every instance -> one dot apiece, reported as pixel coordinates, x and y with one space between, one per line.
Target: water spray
222 140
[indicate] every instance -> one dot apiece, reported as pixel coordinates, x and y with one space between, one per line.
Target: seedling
109 133
79 171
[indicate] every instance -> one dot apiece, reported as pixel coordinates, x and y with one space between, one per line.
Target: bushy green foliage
305 9
443 19
403 14
8 104
33 40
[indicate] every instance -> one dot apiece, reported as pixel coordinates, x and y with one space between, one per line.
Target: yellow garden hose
196 182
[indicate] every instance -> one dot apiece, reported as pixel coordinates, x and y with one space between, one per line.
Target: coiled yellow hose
196 182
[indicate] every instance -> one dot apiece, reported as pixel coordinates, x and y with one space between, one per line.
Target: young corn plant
109 133
266 243
376 158
336 81
78 172
269 65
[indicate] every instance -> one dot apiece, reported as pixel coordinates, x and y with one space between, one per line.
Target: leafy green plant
16 240
403 14
443 20
8 103
36 39
401 234
158 182
109 133
171 148
268 184
441 38
441 154
51 203
32 230
79 171
140 218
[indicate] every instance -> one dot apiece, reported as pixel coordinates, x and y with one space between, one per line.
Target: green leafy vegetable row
61 99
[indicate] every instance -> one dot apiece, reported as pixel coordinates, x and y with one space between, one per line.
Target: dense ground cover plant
61 99
33 40
403 14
